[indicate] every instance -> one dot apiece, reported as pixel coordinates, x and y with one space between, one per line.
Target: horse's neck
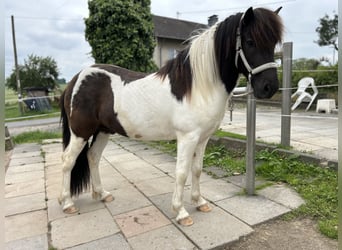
213 104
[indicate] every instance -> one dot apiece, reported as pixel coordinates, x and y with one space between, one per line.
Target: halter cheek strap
239 52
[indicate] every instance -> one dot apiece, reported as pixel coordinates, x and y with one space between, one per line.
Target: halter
239 52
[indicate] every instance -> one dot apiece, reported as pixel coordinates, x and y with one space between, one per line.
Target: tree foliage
36 72
304 63
328 31
323 75
120 32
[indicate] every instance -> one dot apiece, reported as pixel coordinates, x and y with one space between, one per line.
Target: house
171 35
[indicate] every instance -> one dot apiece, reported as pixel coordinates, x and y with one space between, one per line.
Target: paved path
311 132
142 181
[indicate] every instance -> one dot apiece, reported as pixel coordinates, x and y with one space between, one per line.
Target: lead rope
249 91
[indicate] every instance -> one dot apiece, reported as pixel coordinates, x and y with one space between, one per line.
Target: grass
232 162
35 136
10 95
316 185
221 133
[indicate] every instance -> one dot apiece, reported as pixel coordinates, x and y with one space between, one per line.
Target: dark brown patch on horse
126 75
92 107
225 42
179 72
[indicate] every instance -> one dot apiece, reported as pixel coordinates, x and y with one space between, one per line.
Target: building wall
166 49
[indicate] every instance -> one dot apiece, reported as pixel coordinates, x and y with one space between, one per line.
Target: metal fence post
250 147
286 95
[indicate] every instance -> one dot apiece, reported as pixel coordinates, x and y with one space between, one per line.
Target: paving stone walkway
141 179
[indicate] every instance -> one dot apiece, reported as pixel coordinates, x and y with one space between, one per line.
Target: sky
55 28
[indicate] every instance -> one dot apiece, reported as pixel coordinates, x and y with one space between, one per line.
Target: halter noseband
239 52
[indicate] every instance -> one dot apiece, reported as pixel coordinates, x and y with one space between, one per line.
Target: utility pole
17 68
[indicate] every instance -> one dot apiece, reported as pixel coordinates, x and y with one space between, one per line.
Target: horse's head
258 33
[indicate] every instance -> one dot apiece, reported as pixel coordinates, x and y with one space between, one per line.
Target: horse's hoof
187 221
205 208
71 210
108 198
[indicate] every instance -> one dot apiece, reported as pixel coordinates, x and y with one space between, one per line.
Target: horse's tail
80 173
65 122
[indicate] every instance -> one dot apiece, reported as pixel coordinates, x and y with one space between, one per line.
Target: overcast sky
56 28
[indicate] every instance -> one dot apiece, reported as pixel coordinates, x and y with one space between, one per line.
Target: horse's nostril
267 88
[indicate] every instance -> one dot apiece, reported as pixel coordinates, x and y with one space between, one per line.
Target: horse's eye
250 43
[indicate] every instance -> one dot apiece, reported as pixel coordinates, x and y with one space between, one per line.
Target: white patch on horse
144 106
147 110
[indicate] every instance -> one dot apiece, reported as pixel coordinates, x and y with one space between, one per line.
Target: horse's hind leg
197 164
69 157
94 155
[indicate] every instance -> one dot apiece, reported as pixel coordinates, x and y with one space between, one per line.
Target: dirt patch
286 235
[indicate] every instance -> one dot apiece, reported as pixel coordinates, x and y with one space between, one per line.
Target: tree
305 64
36 72
121 32
328 31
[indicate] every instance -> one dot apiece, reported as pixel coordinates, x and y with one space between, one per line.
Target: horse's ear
249 16
277 10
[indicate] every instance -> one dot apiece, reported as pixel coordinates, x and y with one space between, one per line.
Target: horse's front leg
186 145
94 156
197 164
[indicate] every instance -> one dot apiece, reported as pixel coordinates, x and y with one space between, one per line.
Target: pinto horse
185 100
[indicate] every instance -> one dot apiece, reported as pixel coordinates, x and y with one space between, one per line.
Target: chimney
212 20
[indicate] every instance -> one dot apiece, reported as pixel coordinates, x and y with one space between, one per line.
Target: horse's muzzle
266 89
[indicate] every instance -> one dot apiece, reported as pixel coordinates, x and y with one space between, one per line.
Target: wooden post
17 68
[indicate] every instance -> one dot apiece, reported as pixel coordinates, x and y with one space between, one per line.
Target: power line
49 18
232 9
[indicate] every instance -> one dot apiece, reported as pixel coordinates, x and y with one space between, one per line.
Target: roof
172 28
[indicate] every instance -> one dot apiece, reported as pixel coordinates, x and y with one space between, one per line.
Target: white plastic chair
304 96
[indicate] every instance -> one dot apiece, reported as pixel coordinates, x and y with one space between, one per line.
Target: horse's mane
267 29
191 66
209 57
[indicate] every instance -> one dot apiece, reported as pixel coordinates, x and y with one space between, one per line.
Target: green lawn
35 136
10 96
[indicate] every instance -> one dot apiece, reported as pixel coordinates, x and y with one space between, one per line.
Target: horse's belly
146 113
150 128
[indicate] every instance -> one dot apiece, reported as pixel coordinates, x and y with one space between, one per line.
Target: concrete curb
232 143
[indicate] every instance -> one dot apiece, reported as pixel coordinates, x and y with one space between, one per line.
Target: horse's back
126 75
